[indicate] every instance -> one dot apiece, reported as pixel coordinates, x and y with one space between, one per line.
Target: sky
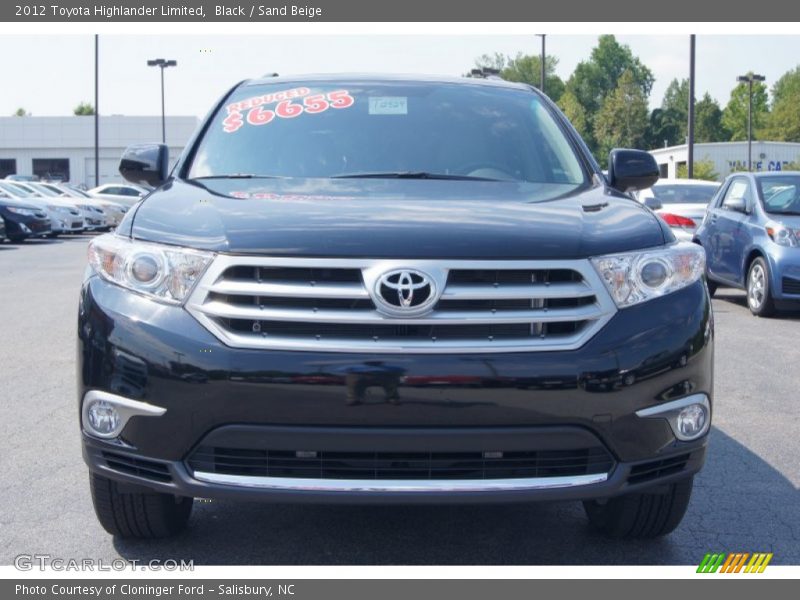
50 75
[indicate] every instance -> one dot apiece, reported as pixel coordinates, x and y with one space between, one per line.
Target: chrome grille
326 305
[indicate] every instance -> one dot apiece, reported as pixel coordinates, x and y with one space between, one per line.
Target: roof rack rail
270 75
485 73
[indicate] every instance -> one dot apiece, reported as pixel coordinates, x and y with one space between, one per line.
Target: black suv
392 290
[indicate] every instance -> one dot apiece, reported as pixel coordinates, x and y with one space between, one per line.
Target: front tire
643 515
759 290
143 515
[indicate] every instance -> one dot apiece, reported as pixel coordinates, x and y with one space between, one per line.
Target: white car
681 203
124 193
64 217
113 210
93 216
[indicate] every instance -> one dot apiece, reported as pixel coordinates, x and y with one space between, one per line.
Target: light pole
163 64
542 61
690 126
749 79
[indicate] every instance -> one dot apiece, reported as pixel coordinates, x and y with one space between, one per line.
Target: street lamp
163 64
749 79
542 61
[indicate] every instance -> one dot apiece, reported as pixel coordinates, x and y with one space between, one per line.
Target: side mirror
736 205
145 164
653 203
631 170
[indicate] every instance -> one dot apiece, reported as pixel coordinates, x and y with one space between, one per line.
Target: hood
393 219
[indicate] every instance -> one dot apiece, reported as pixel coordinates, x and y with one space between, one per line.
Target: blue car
751 234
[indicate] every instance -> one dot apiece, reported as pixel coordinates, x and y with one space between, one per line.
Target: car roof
761 174
389 78
686 182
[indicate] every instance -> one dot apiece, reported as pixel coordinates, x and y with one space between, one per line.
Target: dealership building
63 147
728 157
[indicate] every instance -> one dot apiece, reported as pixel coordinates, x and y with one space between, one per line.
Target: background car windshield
684 194
329 130
780 194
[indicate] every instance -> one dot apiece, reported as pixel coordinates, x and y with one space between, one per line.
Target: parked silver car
681 203
64 217
113 210
94 217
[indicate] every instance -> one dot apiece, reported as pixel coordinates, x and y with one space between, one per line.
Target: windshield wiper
410 175
237 176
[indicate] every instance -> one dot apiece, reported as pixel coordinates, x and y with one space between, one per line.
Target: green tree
783 124
675 112
622 121
575 112
734 117
83 109
525 68
663 129
595 79
708 121
703 169
491 61
21 112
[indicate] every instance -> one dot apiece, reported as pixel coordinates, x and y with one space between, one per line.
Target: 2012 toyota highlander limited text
392 290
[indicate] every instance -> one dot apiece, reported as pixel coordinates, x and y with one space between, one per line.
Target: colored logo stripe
733 562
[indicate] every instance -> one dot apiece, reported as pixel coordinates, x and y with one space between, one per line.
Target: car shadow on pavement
740 503
739 298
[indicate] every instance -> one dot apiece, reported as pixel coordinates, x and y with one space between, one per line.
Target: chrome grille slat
491 306
517 292
372 317
289 290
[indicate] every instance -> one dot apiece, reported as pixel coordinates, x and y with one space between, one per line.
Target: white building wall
24 139
730 156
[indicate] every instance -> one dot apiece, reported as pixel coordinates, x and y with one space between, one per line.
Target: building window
663 171
8 166
51 168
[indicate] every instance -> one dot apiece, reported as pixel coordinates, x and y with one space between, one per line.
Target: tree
21 112
675 112
663 129
595 79
575 112
703 169
783 124
83 109
491 61
734 117
708 121
622 121
525 68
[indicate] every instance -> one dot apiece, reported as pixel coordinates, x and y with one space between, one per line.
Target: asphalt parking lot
746 499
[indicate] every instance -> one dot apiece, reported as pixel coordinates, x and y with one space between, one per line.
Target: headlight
163 273
636 277
782 235
28 212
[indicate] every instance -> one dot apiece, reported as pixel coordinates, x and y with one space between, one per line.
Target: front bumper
645 356
785 272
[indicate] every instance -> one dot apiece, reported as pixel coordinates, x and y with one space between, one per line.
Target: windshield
16 190
684 194
780 194
408 130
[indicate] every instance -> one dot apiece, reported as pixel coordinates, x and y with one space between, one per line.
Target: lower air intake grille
136 466
790 286
658 468
400 465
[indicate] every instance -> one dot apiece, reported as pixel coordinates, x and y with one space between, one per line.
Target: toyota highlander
392 290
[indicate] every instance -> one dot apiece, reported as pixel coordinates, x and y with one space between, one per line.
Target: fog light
105 415
102 418
691 421
689 418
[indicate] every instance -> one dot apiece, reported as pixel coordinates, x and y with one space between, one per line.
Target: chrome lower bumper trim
400 485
